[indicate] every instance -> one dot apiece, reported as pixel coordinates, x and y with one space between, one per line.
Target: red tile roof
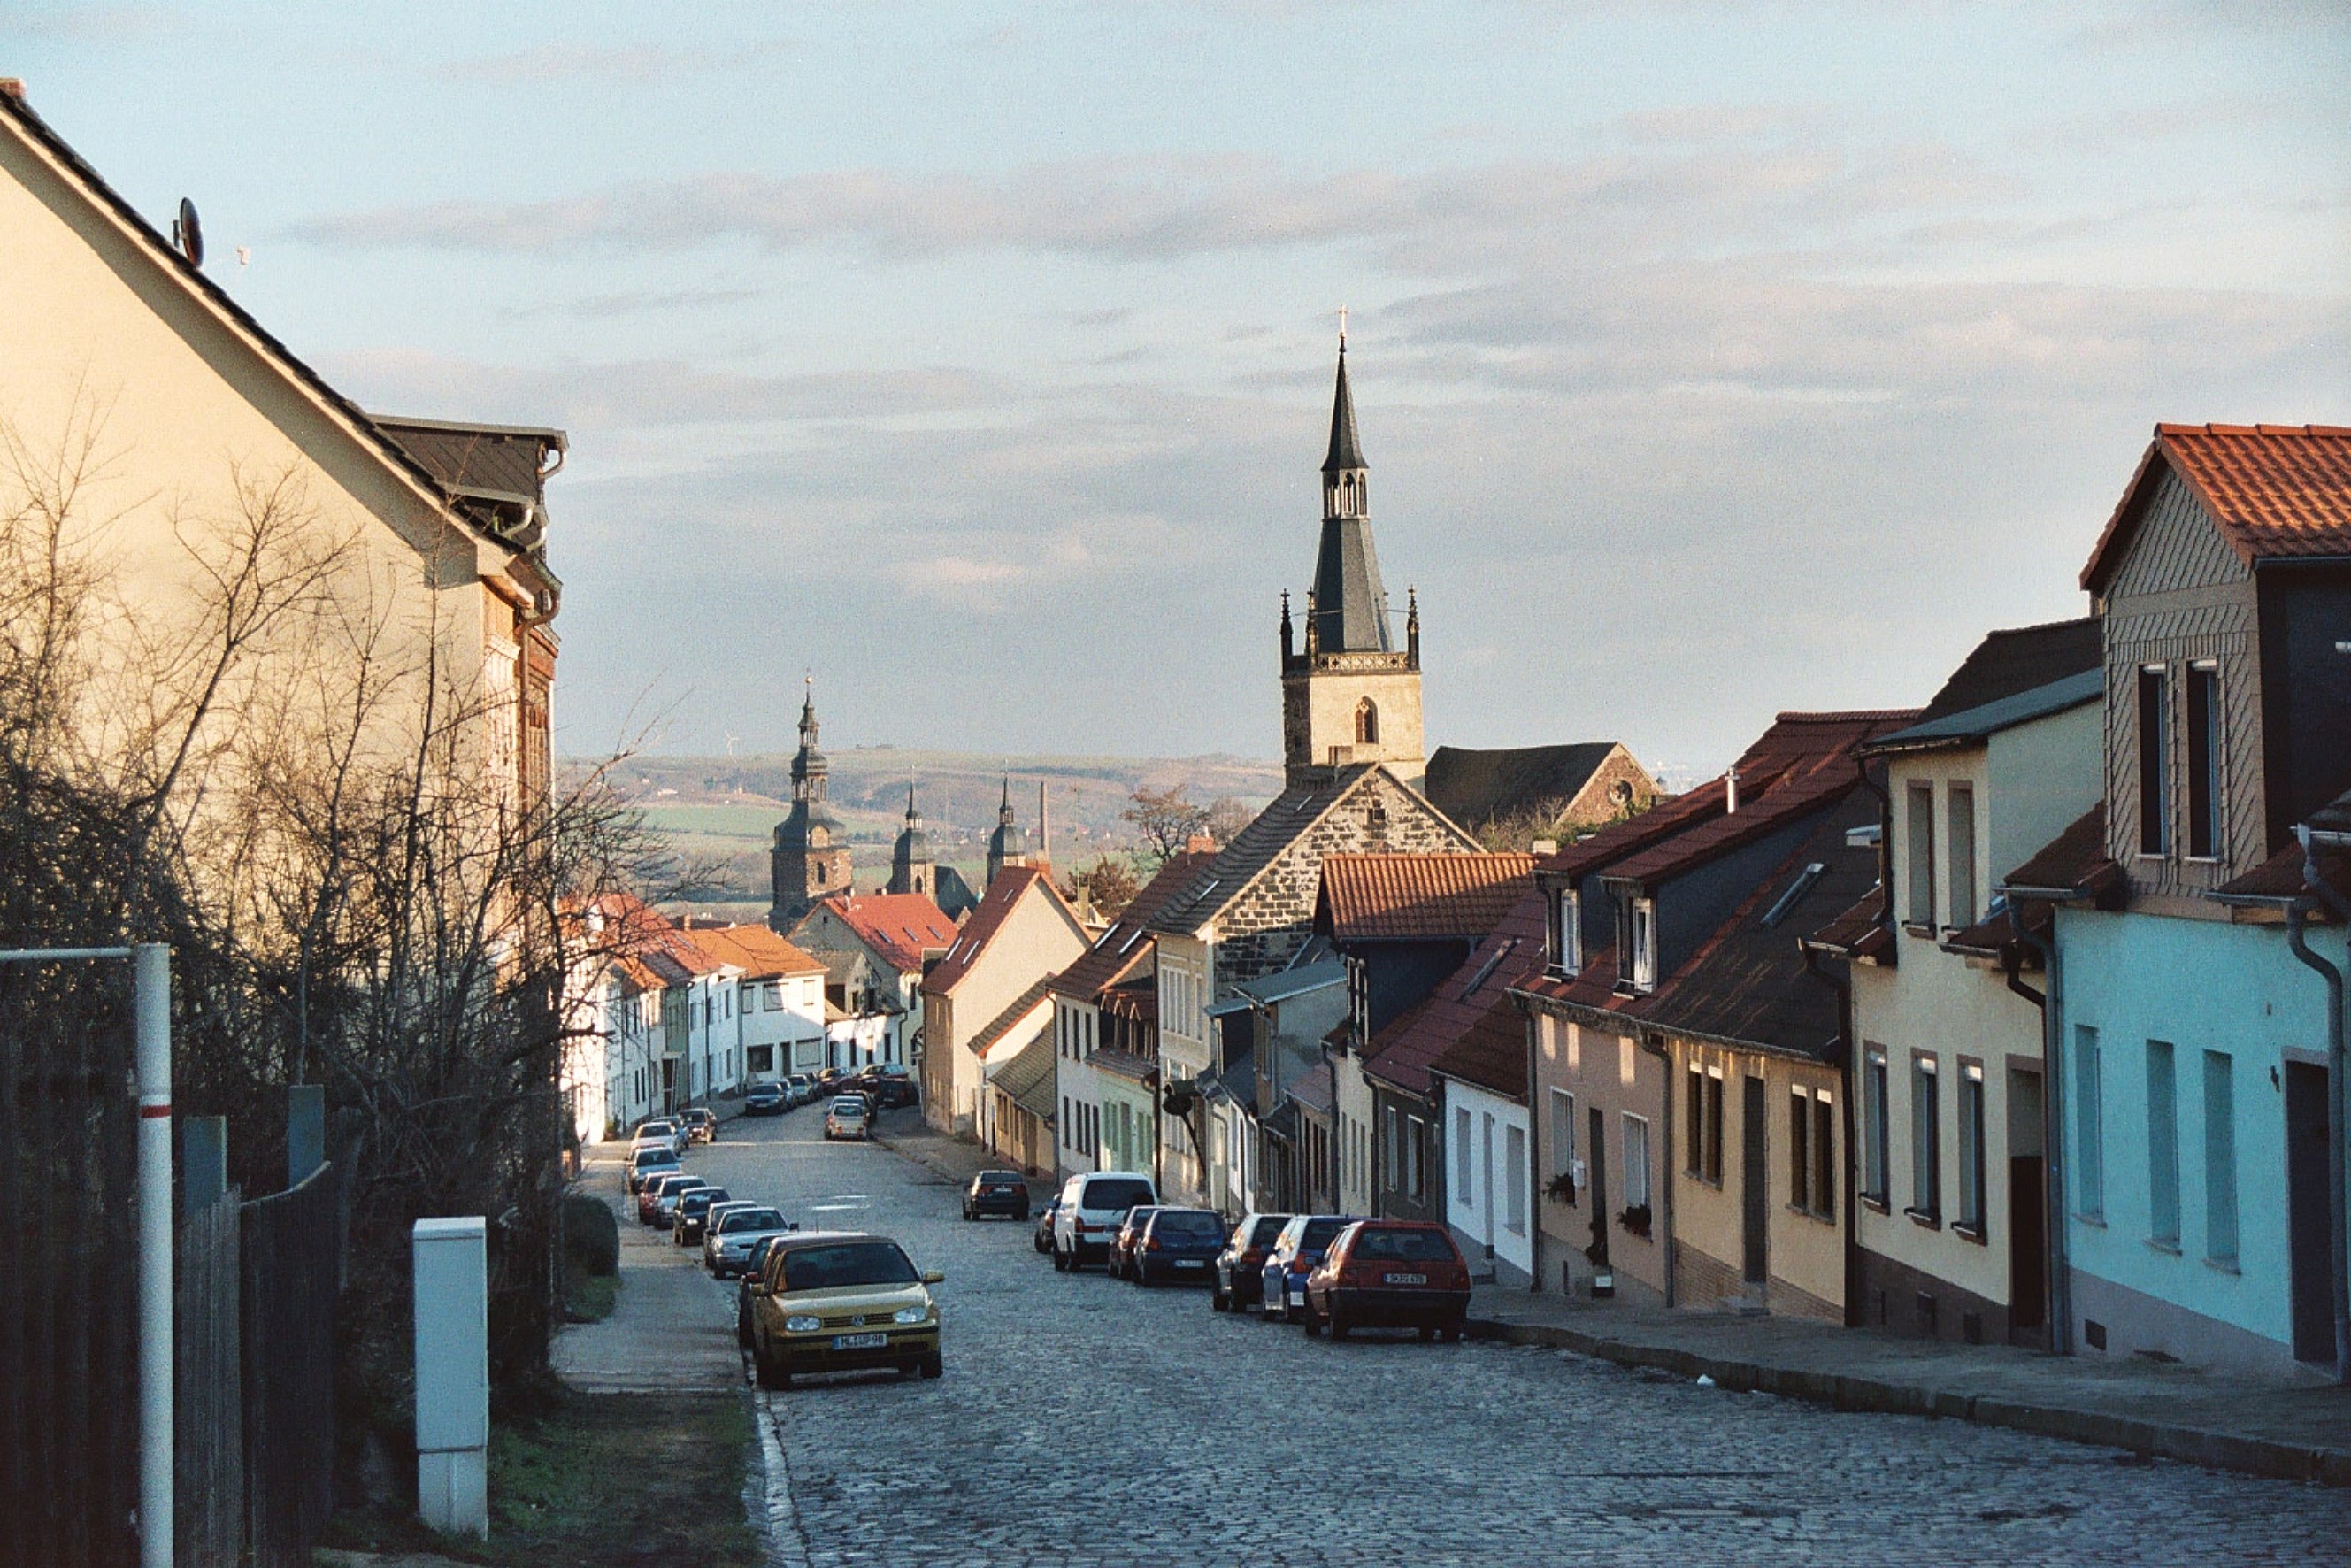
1003 895
1424 1036
1862 932
901 926
1401 897
2275 490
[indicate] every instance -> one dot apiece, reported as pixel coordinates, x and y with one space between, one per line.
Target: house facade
2189 1110
1022 934
875 949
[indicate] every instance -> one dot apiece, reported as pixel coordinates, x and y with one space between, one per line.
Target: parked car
1175 1246
1044 1234
1124 1239
1092 1207
834 1302
801 1088
849 1117
1389 1273
647 1161
1239 1272
685 1225
996 1192
749 1274
711 1217
1295 1251
887 1087
663 1129
665 1205
736 1232
700 1126
765 1098
650 1196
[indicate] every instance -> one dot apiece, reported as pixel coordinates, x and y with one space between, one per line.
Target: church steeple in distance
910 857
810 858
1350 607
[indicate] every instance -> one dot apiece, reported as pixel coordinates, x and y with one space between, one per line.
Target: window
2220 1160
1824 1166
1390 1153
1367 723
2153 786
1637 1161
1416 1148
2089 1128
771 997
1694 1137
1566 932
1714 1126
1461 1174
1874 1124
1563 1132
1920 854
1925 1140
1961 809
1971 1148
1645 943
1800 1151
2162 1146
1514 1172
2204 760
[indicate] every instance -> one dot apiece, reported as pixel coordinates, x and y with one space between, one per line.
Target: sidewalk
904 1132
2173 1412
667 1332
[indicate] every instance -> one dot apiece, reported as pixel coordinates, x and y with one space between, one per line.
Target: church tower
1351 695
910 857
811 860
1007 846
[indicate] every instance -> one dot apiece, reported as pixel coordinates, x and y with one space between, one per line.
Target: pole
151 966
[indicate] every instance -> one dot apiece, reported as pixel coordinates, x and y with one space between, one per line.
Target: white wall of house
778 1020
1185 964
1077 1135
1489 1196
1356 1121
858 1040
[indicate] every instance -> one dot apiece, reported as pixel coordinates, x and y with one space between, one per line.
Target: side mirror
933 1276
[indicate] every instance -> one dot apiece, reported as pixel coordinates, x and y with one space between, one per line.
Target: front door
1754 1169
2305 1200
2028 1210
1596 1184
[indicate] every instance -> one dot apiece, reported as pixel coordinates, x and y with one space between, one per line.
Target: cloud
624 65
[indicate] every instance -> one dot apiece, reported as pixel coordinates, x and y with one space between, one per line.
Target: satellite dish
188 234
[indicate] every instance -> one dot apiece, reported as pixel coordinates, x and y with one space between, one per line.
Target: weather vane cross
1343 326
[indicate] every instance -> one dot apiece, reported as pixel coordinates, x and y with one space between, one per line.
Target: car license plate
1407 1279
859 1341
1189 1263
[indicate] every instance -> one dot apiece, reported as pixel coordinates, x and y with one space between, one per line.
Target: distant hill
729 807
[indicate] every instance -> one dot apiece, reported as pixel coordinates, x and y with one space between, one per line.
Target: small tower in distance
1007 846
910 857
810 858
1351 695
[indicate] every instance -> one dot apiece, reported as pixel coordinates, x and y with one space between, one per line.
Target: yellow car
842 1301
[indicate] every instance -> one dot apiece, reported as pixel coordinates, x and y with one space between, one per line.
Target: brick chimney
1200 844
13 86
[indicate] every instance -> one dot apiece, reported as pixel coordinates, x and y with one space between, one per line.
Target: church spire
1348 611
1346 451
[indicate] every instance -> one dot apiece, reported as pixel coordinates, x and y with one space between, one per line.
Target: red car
1390 1273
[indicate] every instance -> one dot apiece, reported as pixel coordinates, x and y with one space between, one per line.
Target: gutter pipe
2060 1292
2338 1091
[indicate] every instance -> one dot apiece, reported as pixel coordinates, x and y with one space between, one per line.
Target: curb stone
2192 1445
771 1507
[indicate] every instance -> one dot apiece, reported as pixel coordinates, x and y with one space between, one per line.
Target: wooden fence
208 1407
292 1248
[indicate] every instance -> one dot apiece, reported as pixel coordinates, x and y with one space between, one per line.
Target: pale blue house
2188 1043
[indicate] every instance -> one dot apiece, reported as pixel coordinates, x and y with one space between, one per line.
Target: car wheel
1339 1326
1270 1311
1218 1300
1311 1323
1021 1217
769 1372
934 1365
1453 1335
1060 1263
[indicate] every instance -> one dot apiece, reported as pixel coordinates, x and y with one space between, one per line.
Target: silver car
726 1246
849 1117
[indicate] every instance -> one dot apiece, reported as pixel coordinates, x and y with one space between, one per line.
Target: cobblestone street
1082 1421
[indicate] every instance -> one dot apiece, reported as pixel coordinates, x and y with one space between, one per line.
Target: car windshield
1319 1232
1187 1225
1401 1247
656 1129
750 1219
1268 1232
842 1263
765 1089
849 1106
646 1157
700 1198
1119 1194
999 1176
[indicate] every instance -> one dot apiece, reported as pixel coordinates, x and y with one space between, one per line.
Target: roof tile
1415 897
2275 490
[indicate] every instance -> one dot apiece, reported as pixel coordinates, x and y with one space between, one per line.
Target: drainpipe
2052 1131
1843 985
1661 1201
2339 1243
1534 1157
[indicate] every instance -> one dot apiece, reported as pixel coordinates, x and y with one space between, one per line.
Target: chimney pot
13 86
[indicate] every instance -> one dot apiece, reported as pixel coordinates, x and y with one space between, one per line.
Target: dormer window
2204 834
2153 753
1565 952
1641 961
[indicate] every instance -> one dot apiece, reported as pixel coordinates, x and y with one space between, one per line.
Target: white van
1092 1207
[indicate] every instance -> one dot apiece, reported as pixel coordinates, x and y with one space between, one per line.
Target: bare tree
1164 820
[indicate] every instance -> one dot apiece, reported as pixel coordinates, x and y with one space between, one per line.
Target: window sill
2168 1248
2222 1266
1920 928
1975 1233
1876 1204
1801 1212
2097 1222
1925 1220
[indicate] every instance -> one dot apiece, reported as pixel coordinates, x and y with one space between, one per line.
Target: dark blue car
1295 1253
1179 1246
765 1098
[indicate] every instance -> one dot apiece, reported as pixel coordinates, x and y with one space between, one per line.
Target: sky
1712 357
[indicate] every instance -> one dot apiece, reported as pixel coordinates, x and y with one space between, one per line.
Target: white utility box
453 1373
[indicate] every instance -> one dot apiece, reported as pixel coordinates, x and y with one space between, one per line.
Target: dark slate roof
1256 846
1316 1089
1116 953
1239 1080
1127 1064
2283 877
496 462
1028 1078
2019 659
1422 1038
1862 932
2072 864
1746 982
1478 786
1295 981
1350 607
1966 726
1346 451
